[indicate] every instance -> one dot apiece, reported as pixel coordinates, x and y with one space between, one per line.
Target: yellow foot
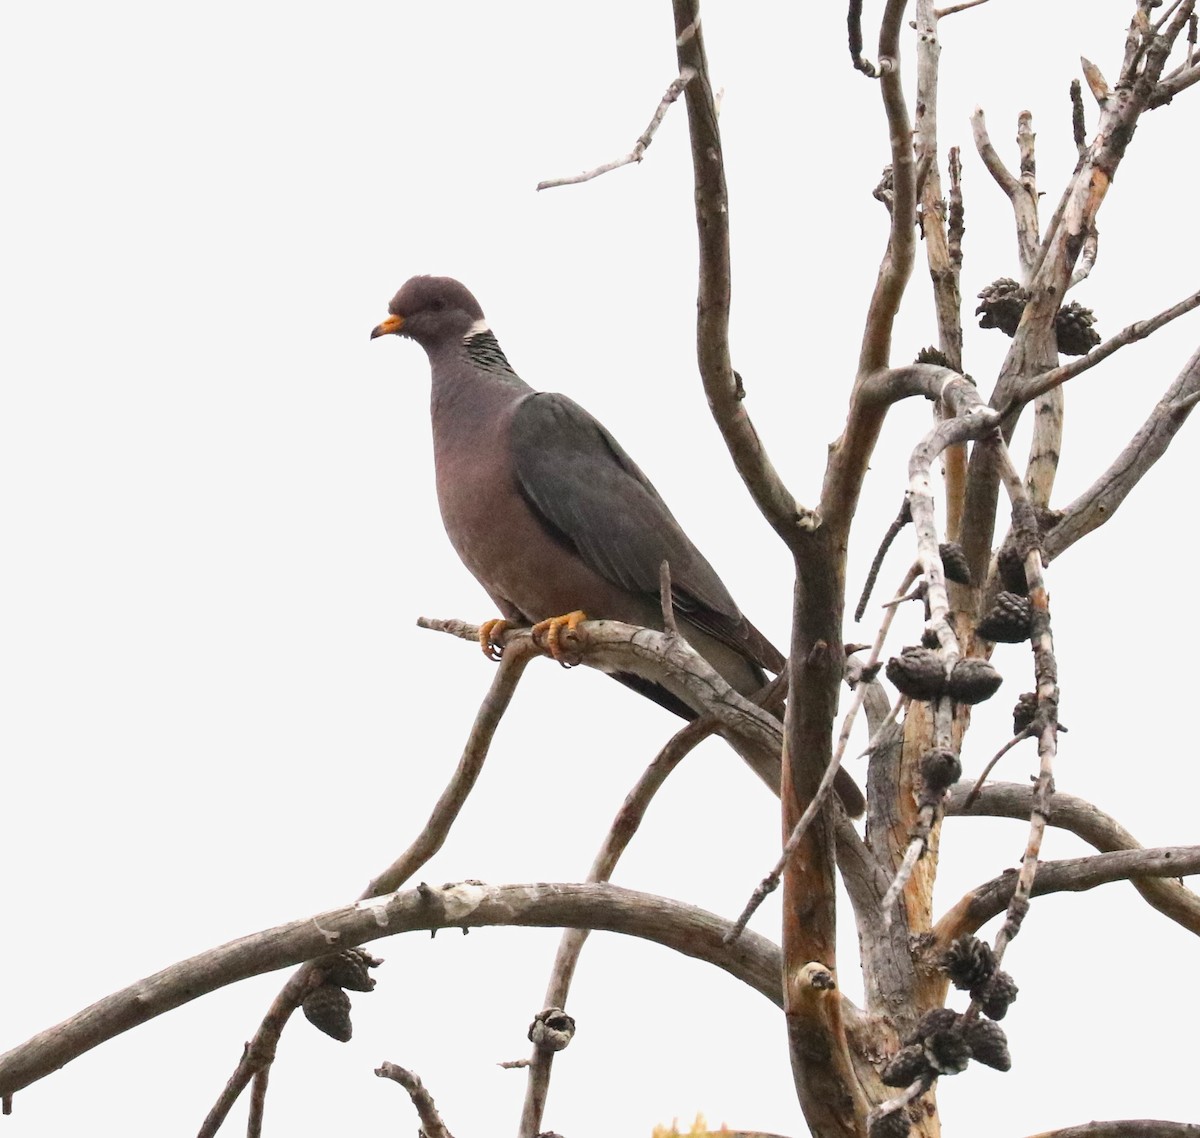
488 631
552 631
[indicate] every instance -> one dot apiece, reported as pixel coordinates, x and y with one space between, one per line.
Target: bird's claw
549 633
489 630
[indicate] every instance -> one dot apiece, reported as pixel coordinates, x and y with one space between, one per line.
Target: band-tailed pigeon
551 515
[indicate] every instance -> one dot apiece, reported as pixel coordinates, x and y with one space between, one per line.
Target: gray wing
593 497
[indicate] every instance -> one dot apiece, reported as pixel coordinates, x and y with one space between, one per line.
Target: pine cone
954 563
1009 622
988 1044
905 1067
348 969
327 1008
1002 304
969 962
1073 329
551 1030
940 769
973 681
894 1124
996 995
918 673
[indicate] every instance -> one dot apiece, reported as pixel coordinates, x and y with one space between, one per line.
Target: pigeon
553 518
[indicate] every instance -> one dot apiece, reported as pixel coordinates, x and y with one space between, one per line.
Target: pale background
219 528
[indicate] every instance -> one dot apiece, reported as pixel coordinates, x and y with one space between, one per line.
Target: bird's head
433 311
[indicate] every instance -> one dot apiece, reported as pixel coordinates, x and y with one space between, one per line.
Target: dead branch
1033 347
1139 330
897 524
432 1125
1021 192
624 826
991 764
1073 875
1046 716
610 645
896 267
855 37
725 399
684 928
942 13
1126 1128
1103 498
1067 812
260 1052
685 76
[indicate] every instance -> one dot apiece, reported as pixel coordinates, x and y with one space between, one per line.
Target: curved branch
721 386
1012 800
259 1053
1071 875
684 928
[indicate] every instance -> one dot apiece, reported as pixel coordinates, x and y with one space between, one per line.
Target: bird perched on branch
551 515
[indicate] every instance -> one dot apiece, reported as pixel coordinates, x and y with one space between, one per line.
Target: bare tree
981 534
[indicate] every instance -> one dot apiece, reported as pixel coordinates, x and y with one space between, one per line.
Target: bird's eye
438 305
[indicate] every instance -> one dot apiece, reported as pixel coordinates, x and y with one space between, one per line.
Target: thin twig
685 76
987 770
942 13
903 518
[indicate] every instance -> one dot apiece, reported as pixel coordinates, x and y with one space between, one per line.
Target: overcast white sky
219 528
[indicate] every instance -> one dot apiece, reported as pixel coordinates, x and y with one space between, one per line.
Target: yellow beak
391 325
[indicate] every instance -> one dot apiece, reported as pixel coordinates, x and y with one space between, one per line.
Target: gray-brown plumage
548 511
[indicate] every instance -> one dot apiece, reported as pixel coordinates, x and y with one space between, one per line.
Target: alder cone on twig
327 1008
1009 621
918 673
972 681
